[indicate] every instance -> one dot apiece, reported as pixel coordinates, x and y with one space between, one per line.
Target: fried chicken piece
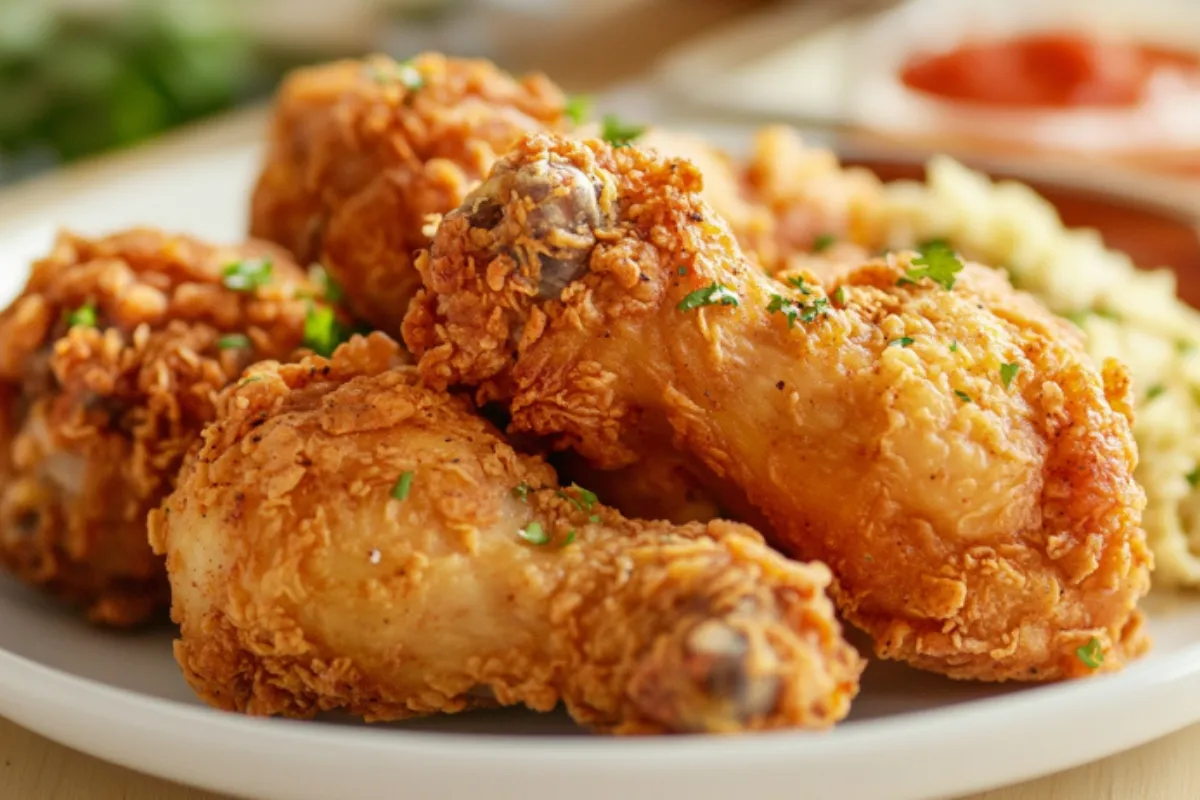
952 454
362 152
110 363
347 538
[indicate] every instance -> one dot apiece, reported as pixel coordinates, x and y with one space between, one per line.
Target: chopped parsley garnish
582 499
331 290
839 295
712 295
403 486
954 346
1008 372
233 341
593 518
82 317
247 275
619 134
1193 477
823 242
521 492
249 380
1154 391
534 533
570 538
323 332
798 282
966 398
404 73
794 309
903 341
578 107
938 263
1091 654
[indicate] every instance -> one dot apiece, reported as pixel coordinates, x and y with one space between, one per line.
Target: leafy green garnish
233 341
938 263
619 134
403 486
331 290
570 538
796 309
578 107
1008 372
534 533
823 242
839 295
966 398
1154 391
711 295
903 341
247 275
1091 654
82 317
954 346
323 332
521 492
1193 477
798 282
582 499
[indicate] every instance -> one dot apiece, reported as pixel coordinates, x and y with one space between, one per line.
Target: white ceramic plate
911 736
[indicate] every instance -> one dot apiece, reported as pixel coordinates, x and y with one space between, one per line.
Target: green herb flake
1154 391
903 341
534 533
82 317
247 275
954 346
323 332
403 486
966 398
331 290
938 263
569 540
579 497
798 282
619 134
1091 654
233 341
793 309
1008 372
1193 477
594 518
823 242
521 492
578 108
712 295
839 295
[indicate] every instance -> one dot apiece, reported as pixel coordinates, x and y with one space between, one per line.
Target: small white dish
911 736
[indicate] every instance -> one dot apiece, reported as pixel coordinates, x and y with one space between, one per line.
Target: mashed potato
1127 313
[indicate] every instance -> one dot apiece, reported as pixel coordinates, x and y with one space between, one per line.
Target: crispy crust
357 161
94 421
302 584
988 538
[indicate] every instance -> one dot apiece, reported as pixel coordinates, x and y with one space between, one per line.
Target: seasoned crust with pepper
347 538
940 440
110 363
362 152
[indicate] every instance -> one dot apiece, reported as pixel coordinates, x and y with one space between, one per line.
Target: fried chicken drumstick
942 442
361 152
110 363
347 538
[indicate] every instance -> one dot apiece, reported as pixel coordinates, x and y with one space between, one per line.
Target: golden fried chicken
110 363
362 152
941 441
347 538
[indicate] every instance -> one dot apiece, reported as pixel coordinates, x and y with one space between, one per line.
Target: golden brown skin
302 583
362 152
978 529
94 421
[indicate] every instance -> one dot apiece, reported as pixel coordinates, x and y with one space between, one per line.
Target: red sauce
1051 70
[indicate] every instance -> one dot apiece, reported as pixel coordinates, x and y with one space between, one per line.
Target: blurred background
1015 81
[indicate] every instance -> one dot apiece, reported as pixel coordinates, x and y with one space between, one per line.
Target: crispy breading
978 525
347 538
95 417
362 152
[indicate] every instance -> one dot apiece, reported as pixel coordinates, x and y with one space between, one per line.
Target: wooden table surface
34 768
